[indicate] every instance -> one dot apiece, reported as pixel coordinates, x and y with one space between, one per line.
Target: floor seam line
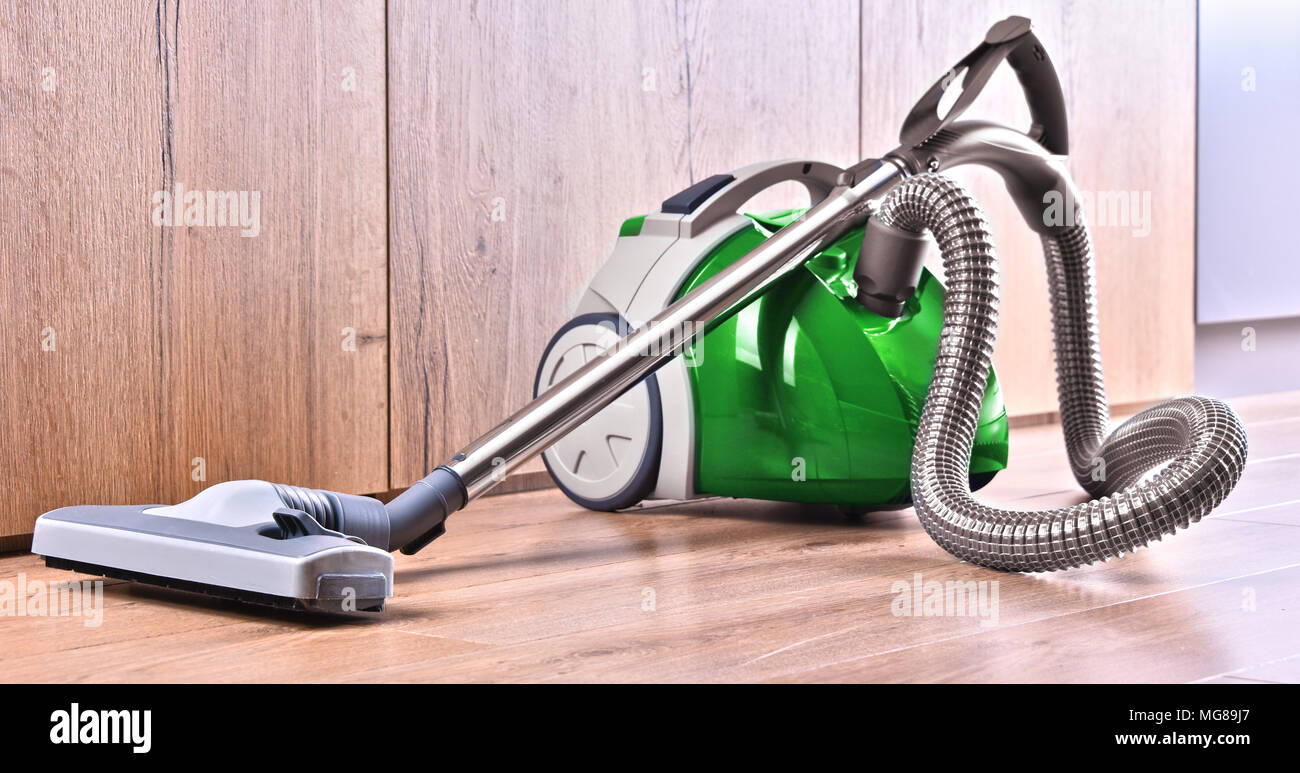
1041 619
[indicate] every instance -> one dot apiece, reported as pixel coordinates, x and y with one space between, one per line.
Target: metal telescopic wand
418 512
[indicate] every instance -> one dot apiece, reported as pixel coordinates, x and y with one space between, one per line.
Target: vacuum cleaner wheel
611 461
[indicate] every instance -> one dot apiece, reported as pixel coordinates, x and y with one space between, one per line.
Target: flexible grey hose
1201 439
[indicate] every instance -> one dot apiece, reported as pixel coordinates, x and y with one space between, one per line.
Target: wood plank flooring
528 587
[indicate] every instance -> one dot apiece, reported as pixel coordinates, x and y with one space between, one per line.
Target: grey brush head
248 540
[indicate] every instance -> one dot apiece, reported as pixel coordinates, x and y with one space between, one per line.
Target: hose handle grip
1011 40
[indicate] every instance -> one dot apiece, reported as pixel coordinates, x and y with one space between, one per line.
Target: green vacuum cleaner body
804 395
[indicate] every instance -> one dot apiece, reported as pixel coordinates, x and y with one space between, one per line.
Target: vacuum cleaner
804 355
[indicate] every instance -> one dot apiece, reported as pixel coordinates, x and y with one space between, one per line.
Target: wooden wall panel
78 160
522 135
176 343
771 80
1128 72
1133 91
287 99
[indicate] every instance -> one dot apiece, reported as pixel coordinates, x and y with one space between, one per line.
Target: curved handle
817 177
1038 181
1012 40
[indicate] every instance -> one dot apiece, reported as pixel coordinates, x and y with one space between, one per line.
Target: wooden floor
530 587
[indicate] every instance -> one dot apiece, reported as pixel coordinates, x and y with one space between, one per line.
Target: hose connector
418 515
889 266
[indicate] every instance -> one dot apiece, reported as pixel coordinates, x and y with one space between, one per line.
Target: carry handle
817 177
1012 40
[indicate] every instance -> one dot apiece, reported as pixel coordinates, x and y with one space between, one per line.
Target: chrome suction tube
418 512
577 398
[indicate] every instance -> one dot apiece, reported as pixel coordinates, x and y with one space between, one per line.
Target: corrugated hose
1199 441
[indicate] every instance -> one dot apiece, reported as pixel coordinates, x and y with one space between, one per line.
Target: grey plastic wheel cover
602 456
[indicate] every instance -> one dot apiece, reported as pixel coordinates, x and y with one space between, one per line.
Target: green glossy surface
804 380
632 226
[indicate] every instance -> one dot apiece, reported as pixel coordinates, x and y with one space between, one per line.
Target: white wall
1248 203
1248 167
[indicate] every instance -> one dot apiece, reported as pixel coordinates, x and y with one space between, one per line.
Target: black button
689 200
